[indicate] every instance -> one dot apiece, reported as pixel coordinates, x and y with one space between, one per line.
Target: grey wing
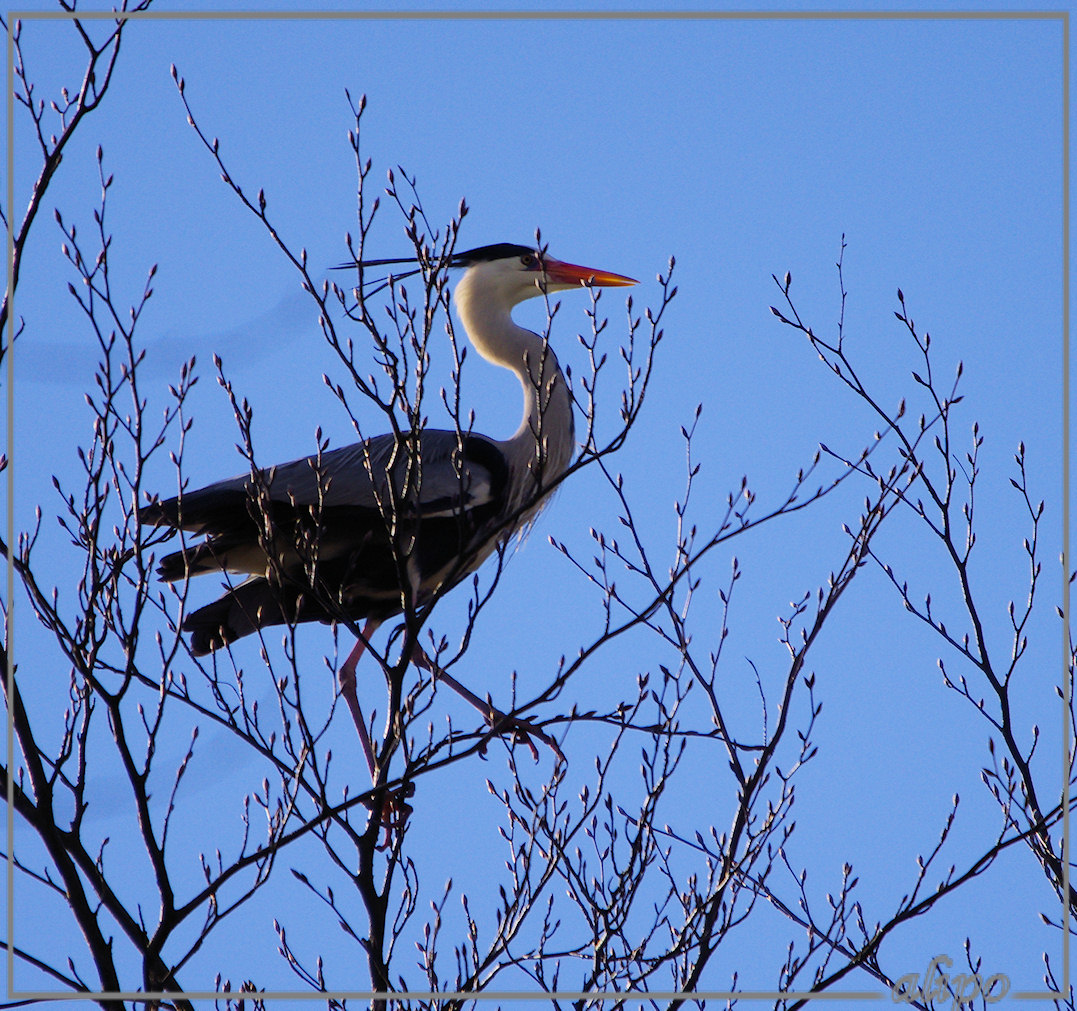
445 477
449 475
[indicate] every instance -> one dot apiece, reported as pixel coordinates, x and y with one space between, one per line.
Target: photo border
1061 16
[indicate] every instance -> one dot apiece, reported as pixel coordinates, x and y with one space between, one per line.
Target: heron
392 527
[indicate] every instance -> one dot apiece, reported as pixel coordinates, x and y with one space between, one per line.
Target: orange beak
571 273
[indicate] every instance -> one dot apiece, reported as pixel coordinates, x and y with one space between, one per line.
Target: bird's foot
498 721
393 812
522 732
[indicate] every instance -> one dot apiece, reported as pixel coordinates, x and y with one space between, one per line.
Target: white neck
544 442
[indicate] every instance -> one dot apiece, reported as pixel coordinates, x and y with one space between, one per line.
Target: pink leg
394 810
491 714
346 680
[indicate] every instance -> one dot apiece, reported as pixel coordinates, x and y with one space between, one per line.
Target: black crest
498 251
481 254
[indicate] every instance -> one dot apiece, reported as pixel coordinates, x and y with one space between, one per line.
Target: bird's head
507 274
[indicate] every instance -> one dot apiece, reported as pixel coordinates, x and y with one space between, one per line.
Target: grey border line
542 15
9 527
1067 680
539 15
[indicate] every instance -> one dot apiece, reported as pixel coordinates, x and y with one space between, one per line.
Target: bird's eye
527 260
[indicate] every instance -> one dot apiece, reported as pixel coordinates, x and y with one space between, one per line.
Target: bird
368 530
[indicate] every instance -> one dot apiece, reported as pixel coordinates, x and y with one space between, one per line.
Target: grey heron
391 528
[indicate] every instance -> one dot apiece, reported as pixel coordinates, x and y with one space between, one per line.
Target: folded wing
336 535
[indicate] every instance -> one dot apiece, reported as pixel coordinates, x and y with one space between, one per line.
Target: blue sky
742 147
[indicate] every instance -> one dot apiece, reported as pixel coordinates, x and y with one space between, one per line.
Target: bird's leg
497 720
394 810
348 688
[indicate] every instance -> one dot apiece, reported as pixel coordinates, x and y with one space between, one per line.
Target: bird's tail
191 561
248 607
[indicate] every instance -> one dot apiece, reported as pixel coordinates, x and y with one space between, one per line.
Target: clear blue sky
742 147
